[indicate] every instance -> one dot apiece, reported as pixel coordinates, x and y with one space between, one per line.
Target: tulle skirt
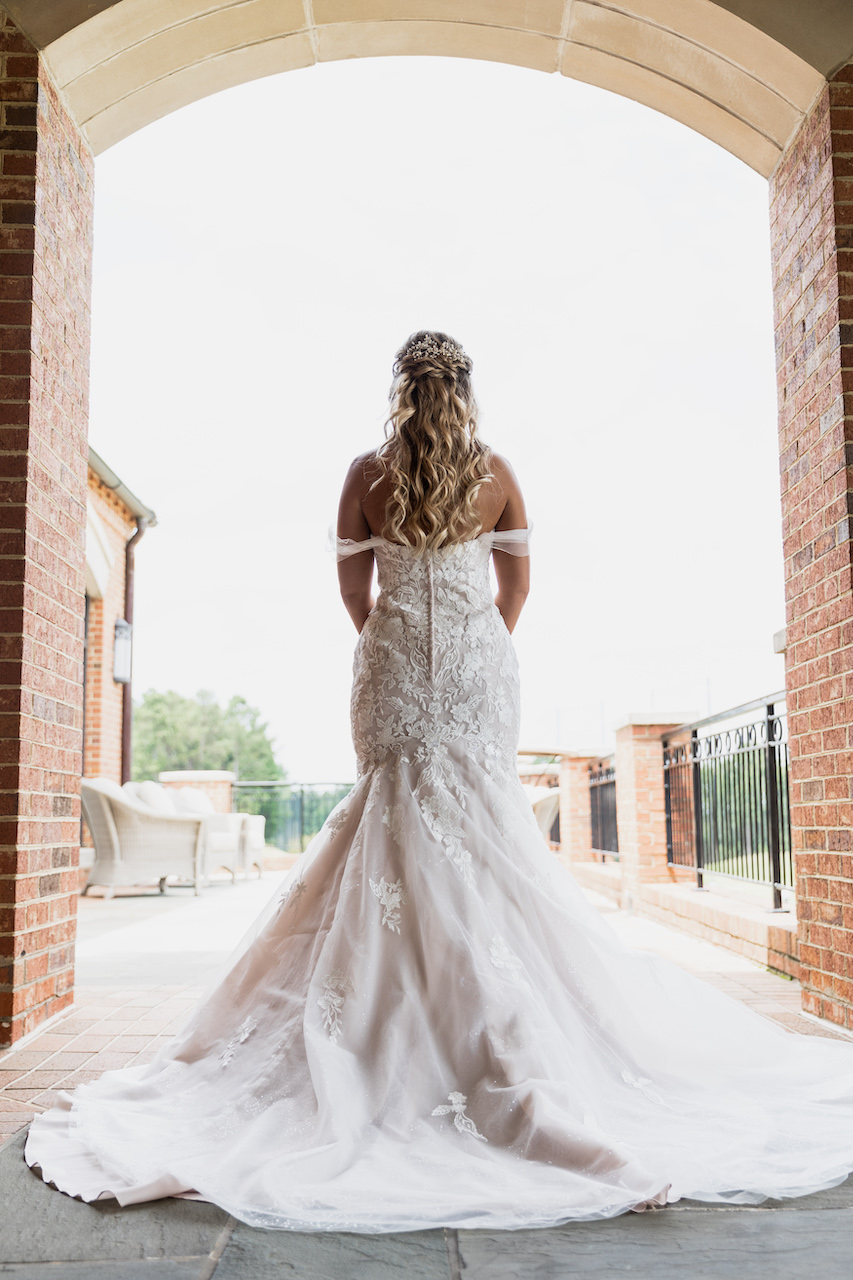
409 1038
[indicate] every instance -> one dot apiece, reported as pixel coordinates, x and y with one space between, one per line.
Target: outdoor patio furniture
545 809
222 831
223 845
137 845
253 842
233 839
236 839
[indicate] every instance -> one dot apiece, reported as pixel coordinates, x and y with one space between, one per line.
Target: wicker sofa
143 834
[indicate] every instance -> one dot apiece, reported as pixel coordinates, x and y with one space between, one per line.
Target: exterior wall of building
102 740
46 189
812 238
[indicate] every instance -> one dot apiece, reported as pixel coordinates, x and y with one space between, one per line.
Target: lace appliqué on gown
457 1108
336 987
240 1038
391 899
502 958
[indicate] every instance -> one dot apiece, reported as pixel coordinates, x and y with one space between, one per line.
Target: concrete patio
143 960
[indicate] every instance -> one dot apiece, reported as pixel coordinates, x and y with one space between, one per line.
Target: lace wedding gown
432 1026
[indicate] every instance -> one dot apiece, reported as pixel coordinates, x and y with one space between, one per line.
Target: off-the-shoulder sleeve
515 541
345 547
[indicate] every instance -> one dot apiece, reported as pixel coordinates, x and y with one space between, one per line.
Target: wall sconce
122 651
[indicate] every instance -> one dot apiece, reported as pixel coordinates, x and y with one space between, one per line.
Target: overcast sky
260 255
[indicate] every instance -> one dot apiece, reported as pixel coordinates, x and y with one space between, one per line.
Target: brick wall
641 807
575 824
46 177
812 237
102 736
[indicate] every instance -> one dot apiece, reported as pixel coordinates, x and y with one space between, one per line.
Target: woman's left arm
511 571
355 573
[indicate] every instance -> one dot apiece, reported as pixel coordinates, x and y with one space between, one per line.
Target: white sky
260 255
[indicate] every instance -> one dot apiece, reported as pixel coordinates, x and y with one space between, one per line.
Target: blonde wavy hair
432 457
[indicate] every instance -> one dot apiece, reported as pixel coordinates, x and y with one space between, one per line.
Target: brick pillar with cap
641 805
46 188
812 247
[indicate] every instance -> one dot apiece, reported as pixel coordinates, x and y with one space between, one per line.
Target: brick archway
77 76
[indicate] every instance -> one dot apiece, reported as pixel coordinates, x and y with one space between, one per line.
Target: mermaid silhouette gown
431 1026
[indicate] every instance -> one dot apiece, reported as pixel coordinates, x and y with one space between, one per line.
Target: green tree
174 732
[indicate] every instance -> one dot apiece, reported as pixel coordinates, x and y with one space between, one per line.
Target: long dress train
431 1026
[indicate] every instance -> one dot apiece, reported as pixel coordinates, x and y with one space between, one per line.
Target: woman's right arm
355 573
512 572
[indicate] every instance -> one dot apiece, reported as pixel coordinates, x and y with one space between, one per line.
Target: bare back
499 502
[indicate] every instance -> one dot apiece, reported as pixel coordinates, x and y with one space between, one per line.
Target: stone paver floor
143 961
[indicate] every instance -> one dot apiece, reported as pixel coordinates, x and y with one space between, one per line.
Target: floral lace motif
243 1034
337 819
501 956
392 898
462 1122
436 679
292 894
543 880
644 1086
441 815
336 986
394 819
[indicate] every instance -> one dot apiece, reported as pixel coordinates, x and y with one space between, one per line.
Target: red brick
44 324
812 217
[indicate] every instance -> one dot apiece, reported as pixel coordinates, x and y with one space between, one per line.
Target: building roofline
108 477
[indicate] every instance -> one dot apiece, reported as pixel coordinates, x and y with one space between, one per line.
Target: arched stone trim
691 59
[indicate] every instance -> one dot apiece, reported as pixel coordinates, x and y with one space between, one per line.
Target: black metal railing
295 811
602 809
726 787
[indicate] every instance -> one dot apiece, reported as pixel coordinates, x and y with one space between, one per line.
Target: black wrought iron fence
295 811
602 808
726 786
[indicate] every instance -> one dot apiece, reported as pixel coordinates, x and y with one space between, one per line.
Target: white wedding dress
431 1026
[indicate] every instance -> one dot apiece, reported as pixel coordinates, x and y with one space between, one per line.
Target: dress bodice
435 672
435 590
452 582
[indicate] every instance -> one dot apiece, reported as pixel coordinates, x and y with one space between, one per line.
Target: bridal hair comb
429 349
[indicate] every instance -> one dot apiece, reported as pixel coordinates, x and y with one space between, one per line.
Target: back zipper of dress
431 623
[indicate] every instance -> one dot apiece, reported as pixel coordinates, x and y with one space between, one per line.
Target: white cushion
107 787
255 826
155 797
192 800
221 842
131 790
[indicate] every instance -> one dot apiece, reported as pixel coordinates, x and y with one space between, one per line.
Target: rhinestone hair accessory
448 351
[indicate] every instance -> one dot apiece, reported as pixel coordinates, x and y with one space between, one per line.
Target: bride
431 1026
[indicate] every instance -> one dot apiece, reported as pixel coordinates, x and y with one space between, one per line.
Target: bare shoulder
364 462
503 473
511 512
362 473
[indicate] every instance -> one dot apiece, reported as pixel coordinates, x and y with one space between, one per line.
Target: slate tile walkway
143 961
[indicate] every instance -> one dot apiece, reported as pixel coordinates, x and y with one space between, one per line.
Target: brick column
575 825
812 237
640 806
46 178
